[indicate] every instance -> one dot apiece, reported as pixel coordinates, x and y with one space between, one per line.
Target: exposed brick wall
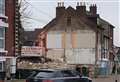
9 41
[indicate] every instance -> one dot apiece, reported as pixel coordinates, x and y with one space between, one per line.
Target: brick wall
9 41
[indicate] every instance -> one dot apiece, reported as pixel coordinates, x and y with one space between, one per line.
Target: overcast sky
44 10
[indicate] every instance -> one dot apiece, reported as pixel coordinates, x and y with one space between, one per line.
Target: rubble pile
56 64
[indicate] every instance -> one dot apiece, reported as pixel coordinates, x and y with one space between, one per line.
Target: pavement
107 79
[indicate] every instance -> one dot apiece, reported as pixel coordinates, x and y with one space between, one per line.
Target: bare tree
21 13
24 13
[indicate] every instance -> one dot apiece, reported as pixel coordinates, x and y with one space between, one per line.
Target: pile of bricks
52 65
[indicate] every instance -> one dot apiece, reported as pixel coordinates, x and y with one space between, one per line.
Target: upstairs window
2 37
2 7
2 66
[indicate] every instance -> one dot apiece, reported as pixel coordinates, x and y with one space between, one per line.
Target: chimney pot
58 4
84 4
60 9
81 10
77 3
80 3
93 9
62 4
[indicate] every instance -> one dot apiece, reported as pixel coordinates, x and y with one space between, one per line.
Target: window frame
2 7
1 69
3 38
72 75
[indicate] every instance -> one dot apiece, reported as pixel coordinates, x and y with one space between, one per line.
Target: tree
24 13
21 11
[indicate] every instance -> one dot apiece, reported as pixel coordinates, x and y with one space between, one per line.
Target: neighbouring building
8 43
30 46
13 31
118 60
3 27
30 37
117 52
79 37
10 30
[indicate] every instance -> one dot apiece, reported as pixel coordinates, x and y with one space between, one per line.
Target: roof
31 35
71 11
102 21
83 20
50 24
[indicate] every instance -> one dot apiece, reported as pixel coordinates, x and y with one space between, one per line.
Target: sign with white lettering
32 51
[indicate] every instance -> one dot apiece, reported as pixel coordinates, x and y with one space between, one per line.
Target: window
45 74
1 43
2 6
1 66
2 37
1 32
68 73
54 40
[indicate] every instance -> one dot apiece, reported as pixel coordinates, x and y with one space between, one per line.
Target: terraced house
79 37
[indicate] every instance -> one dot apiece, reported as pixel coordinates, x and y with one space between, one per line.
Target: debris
54 64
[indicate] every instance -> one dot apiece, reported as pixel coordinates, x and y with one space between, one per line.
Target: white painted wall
84 53
80 56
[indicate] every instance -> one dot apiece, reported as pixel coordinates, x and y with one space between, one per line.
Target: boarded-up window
74 40
86 40
54 40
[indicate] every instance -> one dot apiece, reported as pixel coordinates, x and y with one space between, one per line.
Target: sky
42 11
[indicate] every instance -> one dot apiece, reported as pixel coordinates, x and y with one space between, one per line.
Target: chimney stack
81 8
93 9
60 9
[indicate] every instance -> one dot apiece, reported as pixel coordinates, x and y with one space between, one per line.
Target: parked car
55 75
